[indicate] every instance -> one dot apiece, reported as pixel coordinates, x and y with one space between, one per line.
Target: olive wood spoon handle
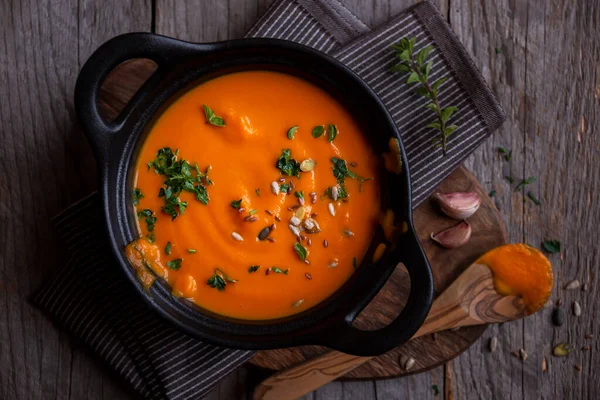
470 300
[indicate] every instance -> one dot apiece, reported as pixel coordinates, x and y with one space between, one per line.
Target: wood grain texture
547 76
447 265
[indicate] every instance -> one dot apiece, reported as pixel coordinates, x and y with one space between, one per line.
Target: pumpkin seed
264 233
562 349
558 316
578 368
307 165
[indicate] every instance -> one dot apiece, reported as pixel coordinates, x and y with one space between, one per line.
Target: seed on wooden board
262 235
576 309
562 349
578 368
588 336
308 276
334 193
548 304
406 362
523 354
585 287
325 243
269 213
515 354
237 236
331 209
275 188
559 302
493 344
544 365
574 284
558 316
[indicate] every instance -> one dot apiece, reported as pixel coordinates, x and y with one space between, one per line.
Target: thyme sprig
419 73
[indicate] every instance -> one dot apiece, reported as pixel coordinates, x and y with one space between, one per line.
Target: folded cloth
89 296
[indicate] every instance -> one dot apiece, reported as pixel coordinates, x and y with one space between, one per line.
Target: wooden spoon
470 300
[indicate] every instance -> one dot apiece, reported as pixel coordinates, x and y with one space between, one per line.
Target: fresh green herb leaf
301 251
211 118
151 237
253 268
279 271
219 280
299 194
341 171
342 192
291 132
509 179
332 132
252 212
318 131
284 187
192 251
180 177
492 193
506 153
420 69
136 196
168 249
436 390
533 198
498 50
551 246
257 191
354 263
236 204
287 165
174 264
150 219
524 182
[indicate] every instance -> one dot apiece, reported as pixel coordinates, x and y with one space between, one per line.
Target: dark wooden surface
546 72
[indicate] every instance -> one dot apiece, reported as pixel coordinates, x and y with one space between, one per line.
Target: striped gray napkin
90 298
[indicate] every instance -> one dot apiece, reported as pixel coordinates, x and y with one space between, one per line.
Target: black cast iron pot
182 65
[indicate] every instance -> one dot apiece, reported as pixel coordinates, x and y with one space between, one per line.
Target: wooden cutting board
428 351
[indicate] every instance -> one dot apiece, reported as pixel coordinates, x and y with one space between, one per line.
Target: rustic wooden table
541 57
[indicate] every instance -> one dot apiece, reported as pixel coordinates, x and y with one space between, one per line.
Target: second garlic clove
453 237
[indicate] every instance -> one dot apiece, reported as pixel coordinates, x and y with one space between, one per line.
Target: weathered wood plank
547 78
46 165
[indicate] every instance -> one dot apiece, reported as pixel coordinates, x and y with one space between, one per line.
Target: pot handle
349 339
164 51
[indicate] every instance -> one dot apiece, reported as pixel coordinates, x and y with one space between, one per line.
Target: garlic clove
458 205
453 237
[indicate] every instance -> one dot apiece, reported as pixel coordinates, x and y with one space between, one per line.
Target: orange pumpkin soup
257 195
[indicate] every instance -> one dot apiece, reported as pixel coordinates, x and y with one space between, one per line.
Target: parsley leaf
219 280
301 251
342 192
533 198
332 132
506 153
253 268
551 246
284 187
354 263
257 191
299 194
492 193
318 131
192 251
288 166
174 264
168 249
211 118
341 171
236 204
252 212
279 271
524 182
136 196
150 219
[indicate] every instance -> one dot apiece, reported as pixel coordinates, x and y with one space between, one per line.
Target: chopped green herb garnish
252 212
551 246
192 251
291 132
498 50
279 271
219 280
341 171
174 264
332 132
211 118
288 166
257 191
150 219
180 177
253 268
284 187
509 179
533 198
299 194
492 193
301 251
524 182
354 263
168 249
318 131
236 204
342 192
506 153
436 390
136 196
